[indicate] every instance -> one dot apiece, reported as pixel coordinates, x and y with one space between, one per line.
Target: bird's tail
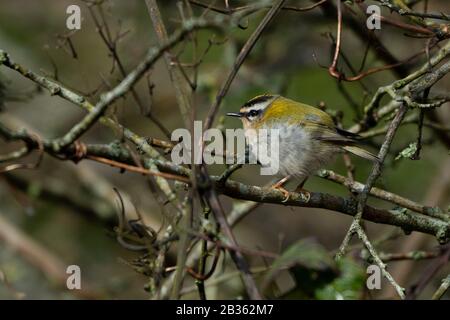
361 153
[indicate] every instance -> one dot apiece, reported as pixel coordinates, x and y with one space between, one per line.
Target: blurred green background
69 209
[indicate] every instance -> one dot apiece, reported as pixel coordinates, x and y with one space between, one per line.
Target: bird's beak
235 114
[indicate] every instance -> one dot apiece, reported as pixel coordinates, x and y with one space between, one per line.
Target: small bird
309 139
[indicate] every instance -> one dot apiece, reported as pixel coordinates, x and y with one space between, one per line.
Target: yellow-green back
293 112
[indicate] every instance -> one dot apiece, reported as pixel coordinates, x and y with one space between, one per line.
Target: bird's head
253 111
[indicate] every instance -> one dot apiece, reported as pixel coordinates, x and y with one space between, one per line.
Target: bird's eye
253 113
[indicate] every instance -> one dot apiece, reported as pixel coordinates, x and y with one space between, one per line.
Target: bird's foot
305 194
286 193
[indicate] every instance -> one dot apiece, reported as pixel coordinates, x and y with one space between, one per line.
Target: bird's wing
344 139
325 132
322 128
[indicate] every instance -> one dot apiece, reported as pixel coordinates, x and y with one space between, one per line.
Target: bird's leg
304 192
279 186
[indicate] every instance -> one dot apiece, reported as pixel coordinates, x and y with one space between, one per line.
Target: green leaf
348 286
307 253
309 263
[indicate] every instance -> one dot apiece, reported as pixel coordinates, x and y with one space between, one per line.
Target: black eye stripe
253 113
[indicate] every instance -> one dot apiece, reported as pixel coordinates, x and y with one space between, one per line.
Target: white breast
299 154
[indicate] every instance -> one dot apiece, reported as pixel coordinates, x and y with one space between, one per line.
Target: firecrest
309 139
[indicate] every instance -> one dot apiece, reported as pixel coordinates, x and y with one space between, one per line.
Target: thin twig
358 187
121 89
245 51
442 288
363 196
231 10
